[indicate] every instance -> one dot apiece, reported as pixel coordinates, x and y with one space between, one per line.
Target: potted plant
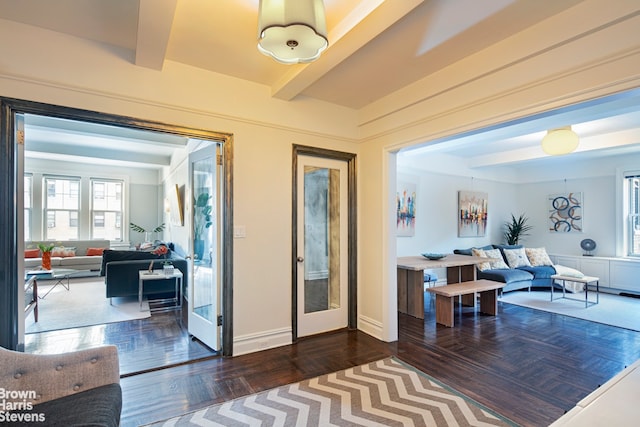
46 249
201 222
516 228
147 233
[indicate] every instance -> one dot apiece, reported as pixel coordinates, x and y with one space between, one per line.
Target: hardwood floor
528 365
143 345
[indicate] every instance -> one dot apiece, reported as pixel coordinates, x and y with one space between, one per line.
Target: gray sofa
79 261
120 270
80 388
514 278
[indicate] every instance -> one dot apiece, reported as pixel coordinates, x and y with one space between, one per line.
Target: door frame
10 240
352 285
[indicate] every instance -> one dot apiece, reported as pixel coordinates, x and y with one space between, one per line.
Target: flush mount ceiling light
292 31
560 141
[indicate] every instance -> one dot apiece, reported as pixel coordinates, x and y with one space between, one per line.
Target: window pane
106 200
59 225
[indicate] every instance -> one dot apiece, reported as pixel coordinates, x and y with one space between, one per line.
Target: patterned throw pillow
62 252
495 253
480 253
538 256
516 258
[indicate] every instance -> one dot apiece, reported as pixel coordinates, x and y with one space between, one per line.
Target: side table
585 280
146 276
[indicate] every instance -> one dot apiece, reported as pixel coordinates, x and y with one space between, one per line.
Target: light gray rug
383 393
615 310
84 304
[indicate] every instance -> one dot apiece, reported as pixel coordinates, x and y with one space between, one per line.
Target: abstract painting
406 209
472 213
565 213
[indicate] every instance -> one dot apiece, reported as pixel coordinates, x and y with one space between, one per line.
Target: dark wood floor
528 365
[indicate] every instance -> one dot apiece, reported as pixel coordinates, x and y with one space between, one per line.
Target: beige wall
558 62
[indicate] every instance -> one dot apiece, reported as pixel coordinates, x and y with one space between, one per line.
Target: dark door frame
350 158
10 313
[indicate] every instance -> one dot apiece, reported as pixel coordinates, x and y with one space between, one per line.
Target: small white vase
168 270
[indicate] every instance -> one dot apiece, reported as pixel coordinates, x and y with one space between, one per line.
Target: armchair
76 388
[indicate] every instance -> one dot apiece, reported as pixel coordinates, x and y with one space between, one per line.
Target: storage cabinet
614 273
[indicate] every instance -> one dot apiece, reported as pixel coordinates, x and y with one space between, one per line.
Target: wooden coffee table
445 295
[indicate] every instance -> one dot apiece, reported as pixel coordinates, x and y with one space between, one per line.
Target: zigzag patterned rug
383 393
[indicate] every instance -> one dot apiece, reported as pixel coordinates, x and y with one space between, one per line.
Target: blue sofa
514 278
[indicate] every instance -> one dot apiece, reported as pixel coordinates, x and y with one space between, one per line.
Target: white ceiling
401 40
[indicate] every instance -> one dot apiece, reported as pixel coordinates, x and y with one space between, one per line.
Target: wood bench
488 290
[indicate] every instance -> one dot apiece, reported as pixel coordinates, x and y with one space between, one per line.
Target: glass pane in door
204 239
321 239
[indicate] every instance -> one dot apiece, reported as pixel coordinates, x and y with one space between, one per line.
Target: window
106 209
28 206
632 183
61 204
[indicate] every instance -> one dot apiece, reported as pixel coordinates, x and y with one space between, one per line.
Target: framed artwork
565 213
472 213
406 209
177 208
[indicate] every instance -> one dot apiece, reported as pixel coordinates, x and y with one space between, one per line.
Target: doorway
11 215
324 258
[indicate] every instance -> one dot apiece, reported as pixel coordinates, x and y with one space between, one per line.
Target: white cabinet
615 273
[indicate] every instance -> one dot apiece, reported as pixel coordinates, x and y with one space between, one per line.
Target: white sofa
79 261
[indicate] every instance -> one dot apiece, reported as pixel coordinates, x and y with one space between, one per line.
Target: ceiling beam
155 19
361 26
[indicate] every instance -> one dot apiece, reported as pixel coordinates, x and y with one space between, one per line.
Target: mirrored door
322 213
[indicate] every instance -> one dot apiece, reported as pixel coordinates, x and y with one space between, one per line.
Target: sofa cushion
506 275
468 251
100 406
540 272
516 258
63 252
538 256
95 251
489 253
32 253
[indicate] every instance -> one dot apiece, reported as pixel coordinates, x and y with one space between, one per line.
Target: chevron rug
383 393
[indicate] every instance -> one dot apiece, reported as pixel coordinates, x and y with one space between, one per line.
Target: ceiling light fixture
292 31
560 141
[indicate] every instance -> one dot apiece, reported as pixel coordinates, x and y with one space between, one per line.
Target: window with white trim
106 209
632 208
62 203
28 206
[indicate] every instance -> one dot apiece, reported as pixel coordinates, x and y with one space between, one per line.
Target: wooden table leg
489 302
444 310
415 293
402 290
463 273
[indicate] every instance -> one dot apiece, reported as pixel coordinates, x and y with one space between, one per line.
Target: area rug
84 304
383 393
614 310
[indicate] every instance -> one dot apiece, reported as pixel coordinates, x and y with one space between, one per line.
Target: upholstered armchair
76 388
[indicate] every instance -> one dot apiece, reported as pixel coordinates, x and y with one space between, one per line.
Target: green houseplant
516 228
147 233
201 222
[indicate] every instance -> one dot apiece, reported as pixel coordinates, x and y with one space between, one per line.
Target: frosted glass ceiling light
560 141
292 31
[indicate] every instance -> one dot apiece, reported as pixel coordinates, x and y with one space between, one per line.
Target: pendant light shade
560 141
292 31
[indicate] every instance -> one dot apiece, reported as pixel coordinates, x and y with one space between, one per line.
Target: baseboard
370 326
245 344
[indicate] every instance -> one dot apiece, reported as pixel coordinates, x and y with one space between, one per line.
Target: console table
410 270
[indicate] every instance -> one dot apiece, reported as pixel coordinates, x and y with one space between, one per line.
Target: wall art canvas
565 213
472 213
406 209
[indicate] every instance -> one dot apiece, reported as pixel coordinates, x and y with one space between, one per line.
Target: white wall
437 212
